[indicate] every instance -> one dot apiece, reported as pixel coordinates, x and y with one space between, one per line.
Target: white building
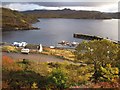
19 44
40 48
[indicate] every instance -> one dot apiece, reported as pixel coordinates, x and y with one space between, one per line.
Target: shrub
99 52
79 75
41 68
9 49
25 61
109 73
7 60
54 65
9 64
34 85
58 79
23 79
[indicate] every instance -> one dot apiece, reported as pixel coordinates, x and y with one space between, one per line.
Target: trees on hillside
99 53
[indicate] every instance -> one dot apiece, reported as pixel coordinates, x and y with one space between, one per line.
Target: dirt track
34 57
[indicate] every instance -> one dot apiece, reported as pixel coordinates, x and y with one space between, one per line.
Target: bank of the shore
48 54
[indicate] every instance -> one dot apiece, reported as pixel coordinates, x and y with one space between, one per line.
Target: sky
94 5
61 1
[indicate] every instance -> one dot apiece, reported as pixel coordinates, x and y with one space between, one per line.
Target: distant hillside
115 15
14 20
66 13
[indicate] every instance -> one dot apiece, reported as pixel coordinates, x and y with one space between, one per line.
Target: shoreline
65 54
20 29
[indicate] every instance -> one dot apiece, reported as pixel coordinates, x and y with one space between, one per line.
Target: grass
59 53
9 48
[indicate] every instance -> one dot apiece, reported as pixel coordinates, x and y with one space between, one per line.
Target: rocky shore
20 28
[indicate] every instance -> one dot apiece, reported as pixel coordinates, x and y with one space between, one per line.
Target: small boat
64 42
70 44
74 43
52 47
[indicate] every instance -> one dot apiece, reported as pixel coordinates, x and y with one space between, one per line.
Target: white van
25 51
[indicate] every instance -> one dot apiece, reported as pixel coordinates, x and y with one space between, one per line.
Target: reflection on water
54 30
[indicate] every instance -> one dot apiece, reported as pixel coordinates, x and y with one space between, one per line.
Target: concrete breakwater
92 37
87 37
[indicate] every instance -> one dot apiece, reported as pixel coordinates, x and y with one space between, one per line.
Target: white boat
52 47
74 43
64 42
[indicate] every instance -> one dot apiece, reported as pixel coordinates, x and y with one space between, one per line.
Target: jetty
92 37
87 37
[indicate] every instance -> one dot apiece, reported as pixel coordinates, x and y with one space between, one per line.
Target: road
33 57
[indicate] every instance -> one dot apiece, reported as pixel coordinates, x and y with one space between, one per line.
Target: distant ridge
14 20
67 13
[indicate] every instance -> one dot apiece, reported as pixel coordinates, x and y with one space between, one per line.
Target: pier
87 37
92 37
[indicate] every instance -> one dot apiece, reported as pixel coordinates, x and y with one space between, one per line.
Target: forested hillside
14 20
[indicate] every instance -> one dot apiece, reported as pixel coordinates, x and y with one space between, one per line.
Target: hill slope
14 20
